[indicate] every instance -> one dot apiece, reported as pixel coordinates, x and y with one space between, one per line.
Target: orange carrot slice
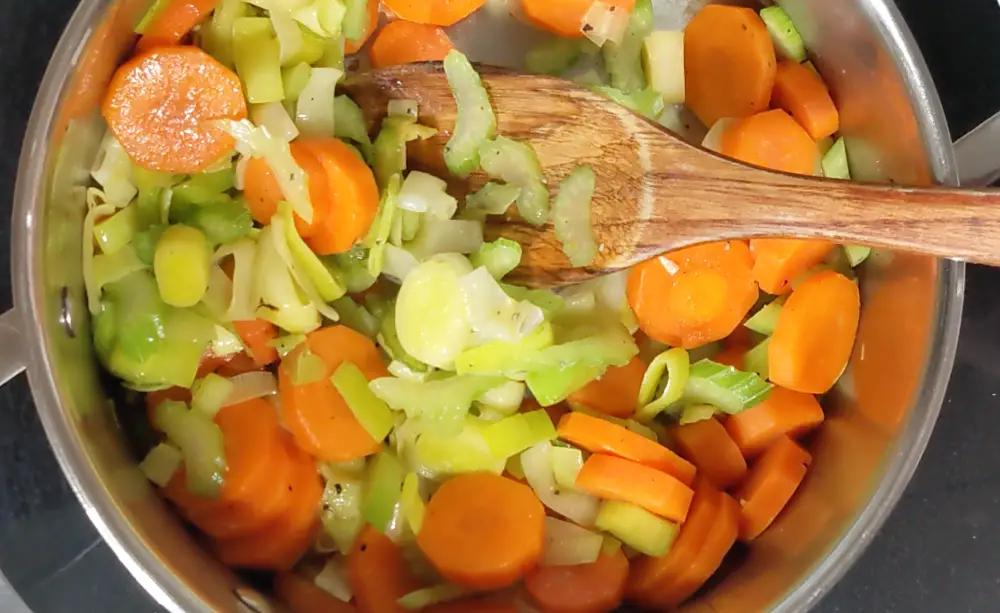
161 106
257 335
565 17
813 340
301 595
406 42
709 447
483 531
174 21
353 46
584 588
599 436
729 63
611 478
693 296
803 94
779 261
772 483
378 573
784 413
616 392
263 192
433 12
772 140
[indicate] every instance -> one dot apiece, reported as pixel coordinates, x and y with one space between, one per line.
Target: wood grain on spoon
656 193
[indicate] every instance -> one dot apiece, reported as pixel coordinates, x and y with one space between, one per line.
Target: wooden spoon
656 193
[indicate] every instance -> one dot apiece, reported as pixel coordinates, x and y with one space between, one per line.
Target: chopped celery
328 288
373 414
314 111
389 149
571 215
548 301
491 199
424 193
282 304
552 386
388 338
109 268
431 317
256 53
291 44
378 234
276 119
403 108
414 507
611 546
499 257
161 463
217 34
224 342
517 163
663 60
512 435
554 56
566 465
341 516
436 455
287 343
294 79
385 486
444 401
428 596
223 222
476 122
243 296
567 544
756 360
647 102
181 265
765 320
398 263
575 506
306 367
210 393
695 413
200 441
350 124
492 314
676 363
333 54
174 359
637 527
787 39
324 17
117 231
856 254
356 19
442 236
351 269
498 357
724 387
505 399
411 223
151 13
623 61
140 315
835 165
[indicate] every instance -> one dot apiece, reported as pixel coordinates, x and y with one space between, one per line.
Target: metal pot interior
879 419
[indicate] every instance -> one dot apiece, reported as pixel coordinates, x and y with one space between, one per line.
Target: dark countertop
938 551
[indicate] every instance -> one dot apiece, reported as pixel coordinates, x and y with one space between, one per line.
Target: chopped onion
493 314
243 300
713 140
437 236
283 306
398 263
424 193
300 274
604 23
251 385
314 111
275 118
575 506
290 39
567 544
506 398
333 579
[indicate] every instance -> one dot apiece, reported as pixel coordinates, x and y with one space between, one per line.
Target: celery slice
356 317
503 400
403 108
287 343
566 465
765 320
315 110
424 193
114 173
517 163
328 288
476 122
114 233
492 314
637 527
499 257
282 304
161 463
497 358
200 440
512 435
256 53
414 509
431 317
436 455
835 164
676 363
350 124
552 386
491 199
623 61
140 322
856 254
757 361
663 60
567 544
385 486
445 236
724 387
647 102
112 267
548 301
388 338
210 393
341 516
373 414
378 234
443 401
786 37
356 19
554 56
571 215
222 222
294 79
217 34
695 413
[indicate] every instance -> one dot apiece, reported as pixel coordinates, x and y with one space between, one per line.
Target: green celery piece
311 52
516 163
439 455
388 337
210 393
350 124
676 363
141 313
389 154
554 55
554 385
857 254
356 317
257 56
373 414
218 32
385 486
548 301
144 243
341 516
623 61
287 343
222 222
333 54
647 102
571 216
835 165
413 506
695 413
443 401
411 221
378 234
216 182
727 389
491 199
356 20
351 269
499 257
294 79
476 122
512 435
152 186
161 463
765 320
637 528
200 441
756 360
117 231
787 40
566 465
326 284
306 366
497 357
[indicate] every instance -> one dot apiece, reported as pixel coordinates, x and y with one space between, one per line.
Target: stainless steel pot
879 420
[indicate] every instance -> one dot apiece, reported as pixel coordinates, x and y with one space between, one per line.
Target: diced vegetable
443 401
577 507
571 215
676 363
385 486
567 544
341 516
200 441
834 162
370 411
765 320
623 59
476 122
315 109
492 314
605 23
553 56
378 233
499 257
512 435
436 455
663 61
857 254
444 236
517 164
695 413
114 173
637 528
492 199
181 265
282 304
350 123
424 193
647 102
210 393
161 463
724 387
566 465
414 509
787 39
257 55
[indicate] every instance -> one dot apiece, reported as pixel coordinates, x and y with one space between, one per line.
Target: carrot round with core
784 413
772 483
406 42
583 588
729 63
314 412
263 192
616 392
162 104
710 448
694 296
257 335
353 46
174 21
483 531
354 197
600 436
378 573
779 261
815 334
565 17
802 93
772 140
433 12
301 595
611 478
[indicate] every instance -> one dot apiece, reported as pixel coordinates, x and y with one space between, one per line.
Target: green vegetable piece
512 435
637 527
499 257
356 19
333 54
835 165
217 34
351 269
443 401
856 254
385 486
727 389
222 222
144 243
647 102
388 338
413 506
571 215
294 79
356 317
161 463
517 163
765 320
181 264
373 414
499 358
552 386
307 367
378 235
114 233
491 199
476 122
140 313
342 497
210 393
256 53
566 465
327 286
676 363
287 343
756 360
350 124
548 301
787 40
696 413
440 455
200 441
554 56
623 61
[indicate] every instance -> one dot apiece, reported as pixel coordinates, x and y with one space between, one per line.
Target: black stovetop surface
939 551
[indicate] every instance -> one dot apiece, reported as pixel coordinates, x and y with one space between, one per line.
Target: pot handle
978 154
12 357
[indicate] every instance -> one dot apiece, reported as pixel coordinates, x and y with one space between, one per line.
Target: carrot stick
772 483
584 588
173 22
314 412
565 17
378 573
773 140
161 106
257 335
693 296
803 94
599 436
263 192
353 46
784 413
813 340
433 12
405 42
354 197
616 392
647 574
611 478
729 63
779 261
709 447
301 595
483 531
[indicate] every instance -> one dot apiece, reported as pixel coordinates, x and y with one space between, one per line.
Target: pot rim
165 587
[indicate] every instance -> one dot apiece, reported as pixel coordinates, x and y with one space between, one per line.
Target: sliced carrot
315 413
616 392
804 95
301 595
565 17
354 197
731 356
263 192
600 436
162 105
709 447
584 588
784 413
813 340
483 531
257 335
772 483
695 296
729 63
405 42
773 140
611 478
779 261
433 12
353 46
378 573
174 21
